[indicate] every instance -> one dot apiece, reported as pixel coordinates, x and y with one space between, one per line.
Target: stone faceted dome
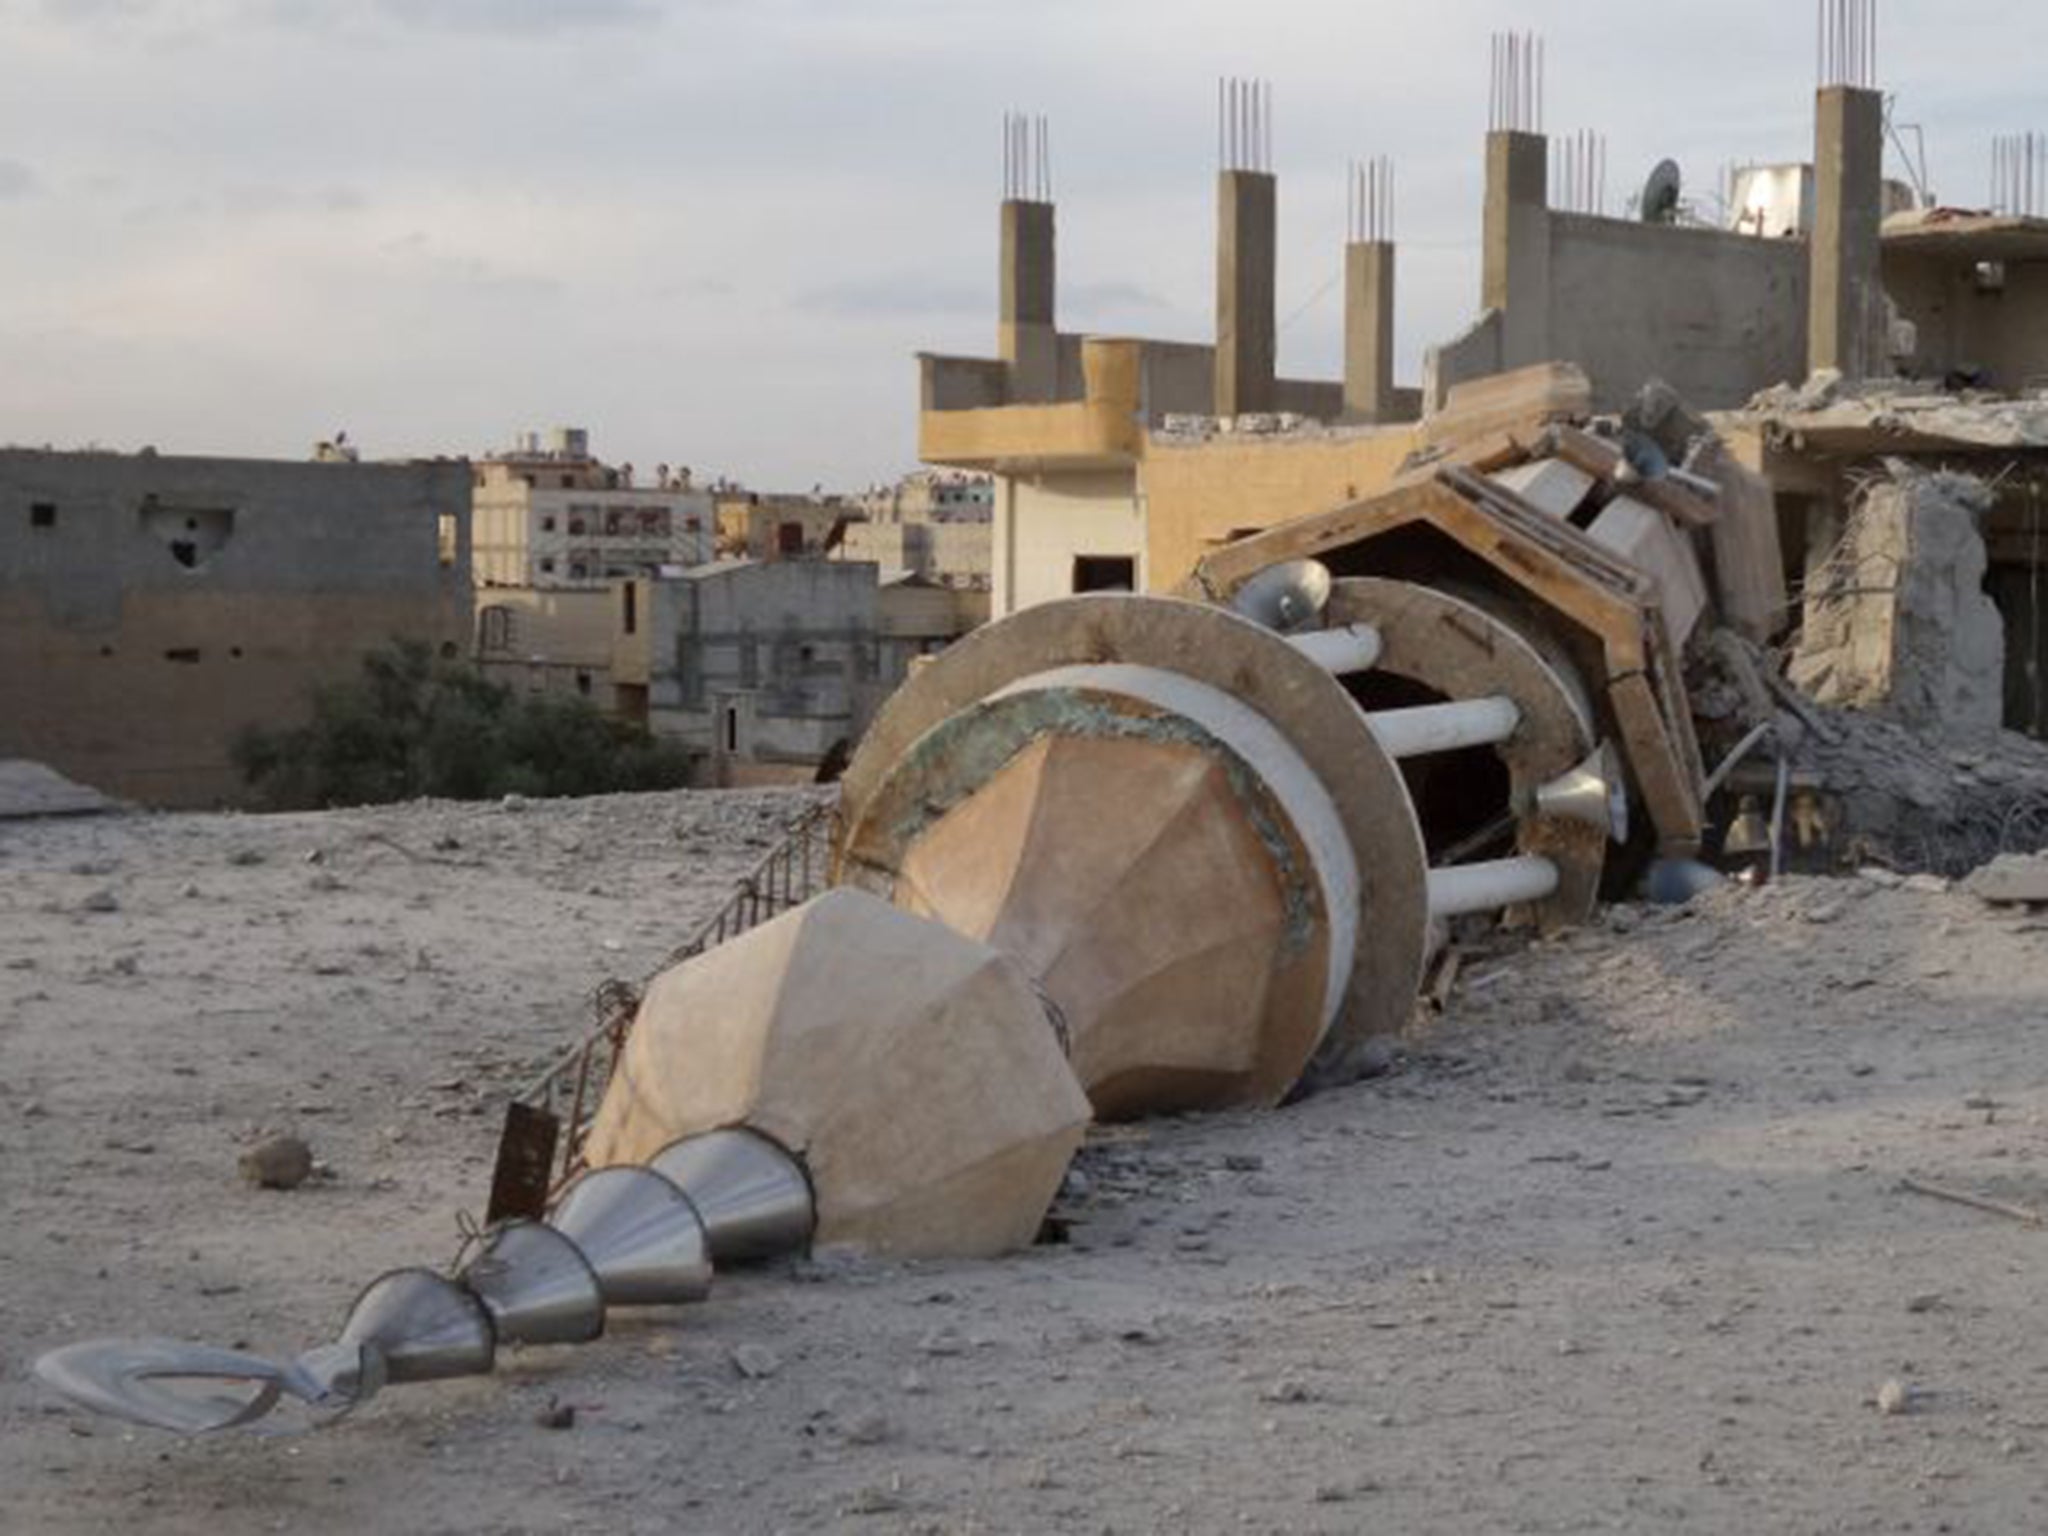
913 1070
1184 951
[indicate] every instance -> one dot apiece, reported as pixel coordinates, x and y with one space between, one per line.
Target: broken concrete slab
1897 619
30 789
2016 880
1549 485
1644 537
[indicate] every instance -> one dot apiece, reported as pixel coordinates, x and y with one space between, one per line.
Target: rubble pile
1896 618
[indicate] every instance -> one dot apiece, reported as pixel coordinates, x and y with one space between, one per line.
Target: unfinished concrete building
1122 464
153 607
768 669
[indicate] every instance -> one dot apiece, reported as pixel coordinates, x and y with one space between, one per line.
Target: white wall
1045 522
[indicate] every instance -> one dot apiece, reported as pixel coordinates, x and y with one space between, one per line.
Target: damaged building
153 607
1120 464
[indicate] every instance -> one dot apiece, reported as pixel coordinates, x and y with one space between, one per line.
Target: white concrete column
1445 727
1470 889
1343 651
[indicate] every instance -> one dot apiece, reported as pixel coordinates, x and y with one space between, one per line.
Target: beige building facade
554 517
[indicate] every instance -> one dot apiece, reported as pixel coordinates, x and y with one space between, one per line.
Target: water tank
1777 200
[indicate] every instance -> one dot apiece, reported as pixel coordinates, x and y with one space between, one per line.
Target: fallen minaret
1110 858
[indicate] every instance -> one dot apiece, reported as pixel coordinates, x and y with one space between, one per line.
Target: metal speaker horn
537 1286
640 1233
414 1325
187 1389
754 1197
1286 597
1593 794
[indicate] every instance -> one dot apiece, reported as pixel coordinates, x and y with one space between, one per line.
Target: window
450 535
789 538
548 566
547 525
185 656
732 729
497 628
568 482
629 608
43 515
1105 573
583 684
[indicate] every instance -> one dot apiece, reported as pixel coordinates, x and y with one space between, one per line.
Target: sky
717 232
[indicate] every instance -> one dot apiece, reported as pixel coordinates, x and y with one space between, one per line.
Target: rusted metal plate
525 1167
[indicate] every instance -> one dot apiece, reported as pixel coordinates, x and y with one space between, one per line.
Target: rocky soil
1620 1244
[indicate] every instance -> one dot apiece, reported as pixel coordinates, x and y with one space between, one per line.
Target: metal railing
558 1107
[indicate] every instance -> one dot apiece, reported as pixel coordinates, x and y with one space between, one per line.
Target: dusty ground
1619 1246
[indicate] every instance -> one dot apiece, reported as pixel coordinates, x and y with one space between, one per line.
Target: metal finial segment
1847 44
1578 176
1516 101
2019 175
1244 125
1369 214
1027 158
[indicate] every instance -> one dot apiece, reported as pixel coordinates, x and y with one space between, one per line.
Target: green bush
413 726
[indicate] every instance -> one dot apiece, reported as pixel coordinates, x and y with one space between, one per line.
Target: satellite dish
1286 597
1660 194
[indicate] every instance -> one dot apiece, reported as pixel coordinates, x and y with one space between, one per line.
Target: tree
412 725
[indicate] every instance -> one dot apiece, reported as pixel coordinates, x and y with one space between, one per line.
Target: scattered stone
100 901
243 858
872 1501
323 882
1930 1302
512 804
557 1415
870 1428
1288 1389
284 1162
1894 1399
913 1384
756 1362
1244 1162
943 1343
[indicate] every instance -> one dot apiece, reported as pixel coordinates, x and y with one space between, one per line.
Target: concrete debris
1897 619
1822 413
756 1362
2013 880
283 1162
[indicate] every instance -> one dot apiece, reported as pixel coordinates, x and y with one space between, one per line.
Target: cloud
1120 296
16 181
895 295
485 18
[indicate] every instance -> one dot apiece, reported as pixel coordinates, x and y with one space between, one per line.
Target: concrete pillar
1247 276
1028 339
1369 331
1517 238
1845 327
